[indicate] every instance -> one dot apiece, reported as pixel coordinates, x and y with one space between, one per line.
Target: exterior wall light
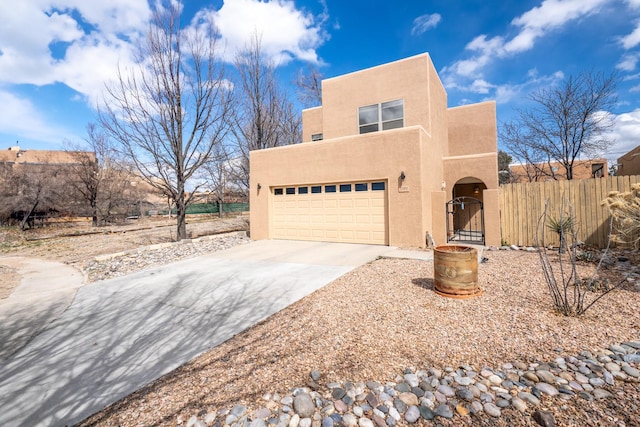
402 176
476 189
259 186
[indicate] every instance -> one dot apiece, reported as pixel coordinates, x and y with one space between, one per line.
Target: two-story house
383 161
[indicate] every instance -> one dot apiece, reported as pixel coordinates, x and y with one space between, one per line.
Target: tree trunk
25 218
181 213
219 207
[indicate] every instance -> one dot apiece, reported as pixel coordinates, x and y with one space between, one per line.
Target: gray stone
327 422
426 412
528 397
596 382
600 393
632 344
262 413
465 394
608 378
546 376
258 423
412 414
443 411
544 418
399 405
365 422
402 387
464 381
306 422
238 410
447 391
303 405
338 393
495 379
491 409
633 372
486 397
295 421
631 358
412 380
476 407
585 395
503 403
519 404
349 420
315 375
617 349
547 388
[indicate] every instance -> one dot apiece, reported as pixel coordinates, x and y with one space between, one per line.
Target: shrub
625 210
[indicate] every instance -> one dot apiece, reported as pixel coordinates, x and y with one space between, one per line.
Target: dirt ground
77 243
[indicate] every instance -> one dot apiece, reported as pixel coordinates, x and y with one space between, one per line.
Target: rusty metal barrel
456 271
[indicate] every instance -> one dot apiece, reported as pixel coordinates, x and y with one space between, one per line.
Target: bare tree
265 117
169 114
309 85
217 172
99 177
32 190
564 123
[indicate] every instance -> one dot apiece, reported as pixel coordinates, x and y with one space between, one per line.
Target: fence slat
522 204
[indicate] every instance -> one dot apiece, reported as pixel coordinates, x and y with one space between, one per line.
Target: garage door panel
349 216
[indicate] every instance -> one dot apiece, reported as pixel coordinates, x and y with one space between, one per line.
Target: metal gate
465 220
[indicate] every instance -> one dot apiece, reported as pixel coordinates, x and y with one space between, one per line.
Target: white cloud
628 62
632 39
24 120
424 23
92 45
286 32
533 24
626 132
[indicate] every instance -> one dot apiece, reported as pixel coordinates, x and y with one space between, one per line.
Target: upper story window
388 115
316 137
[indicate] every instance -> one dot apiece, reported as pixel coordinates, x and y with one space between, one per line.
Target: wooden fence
521 206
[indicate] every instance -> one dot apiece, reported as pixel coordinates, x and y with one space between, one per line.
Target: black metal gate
465 220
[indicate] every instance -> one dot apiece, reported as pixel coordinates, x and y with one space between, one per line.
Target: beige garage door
345 212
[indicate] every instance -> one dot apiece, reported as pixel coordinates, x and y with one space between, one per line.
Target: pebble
104 267
491 409
433 393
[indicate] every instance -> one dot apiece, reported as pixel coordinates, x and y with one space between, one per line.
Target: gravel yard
383 318
376 323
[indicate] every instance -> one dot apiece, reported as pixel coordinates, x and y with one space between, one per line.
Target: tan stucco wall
629 164
409 79
311 123
375 156
436 148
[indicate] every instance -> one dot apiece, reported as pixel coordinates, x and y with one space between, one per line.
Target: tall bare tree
169 114
565 122
309 85
264 117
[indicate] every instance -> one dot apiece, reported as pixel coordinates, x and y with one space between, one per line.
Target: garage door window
377 186
329 188
345 188
291 190
316 189
362 187
303 190
278 191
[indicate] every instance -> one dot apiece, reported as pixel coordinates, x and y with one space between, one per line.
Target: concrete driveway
120 334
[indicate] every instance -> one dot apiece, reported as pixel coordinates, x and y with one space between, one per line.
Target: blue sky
56 55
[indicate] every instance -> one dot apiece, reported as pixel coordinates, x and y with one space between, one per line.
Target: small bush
625 210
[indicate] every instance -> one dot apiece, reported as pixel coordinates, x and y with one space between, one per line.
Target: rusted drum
456 271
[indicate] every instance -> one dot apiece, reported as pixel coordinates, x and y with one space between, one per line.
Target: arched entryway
465 212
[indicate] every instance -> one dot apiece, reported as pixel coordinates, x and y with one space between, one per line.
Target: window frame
395 121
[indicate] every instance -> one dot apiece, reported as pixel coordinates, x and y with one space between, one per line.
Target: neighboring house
554 171
15 156
380 160
629 164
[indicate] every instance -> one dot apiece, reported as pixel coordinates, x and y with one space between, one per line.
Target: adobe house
629 163
554 171
383 161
